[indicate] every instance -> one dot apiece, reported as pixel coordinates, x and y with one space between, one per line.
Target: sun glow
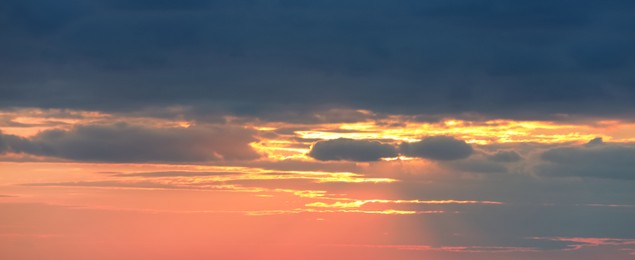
396 129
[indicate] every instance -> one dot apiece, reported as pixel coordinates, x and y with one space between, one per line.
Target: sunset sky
317 129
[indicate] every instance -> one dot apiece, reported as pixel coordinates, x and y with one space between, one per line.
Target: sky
317 129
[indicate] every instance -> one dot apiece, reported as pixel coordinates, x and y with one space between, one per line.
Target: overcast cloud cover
532 59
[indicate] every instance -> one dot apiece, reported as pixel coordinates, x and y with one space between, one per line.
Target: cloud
442 148
595 141
264 58
17 144
595 159
477 165
505 156
158 5
3 145
131 143
503 161
351 150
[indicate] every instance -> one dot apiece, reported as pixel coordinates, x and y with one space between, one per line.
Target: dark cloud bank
505 157
266 58
596 159
129 143
351 150
440 148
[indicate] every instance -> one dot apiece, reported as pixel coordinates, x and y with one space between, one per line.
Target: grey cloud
609 160
3 145
502 161
442 148
18 144
157 5
265 58
595 141
129 143
351 150
505 156
478 165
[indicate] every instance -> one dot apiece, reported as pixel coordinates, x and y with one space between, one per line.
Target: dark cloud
272 59
157 5
18 144
595 141
505 156
351 150
130 143
442 148
3 145
477 165
606 160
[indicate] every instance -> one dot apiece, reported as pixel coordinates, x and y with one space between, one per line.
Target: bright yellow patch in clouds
493 131
360 203
284 141
397 129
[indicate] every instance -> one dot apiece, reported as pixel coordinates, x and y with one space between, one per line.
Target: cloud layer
264 58
505 156
596 159
130 143
440 148
351 150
